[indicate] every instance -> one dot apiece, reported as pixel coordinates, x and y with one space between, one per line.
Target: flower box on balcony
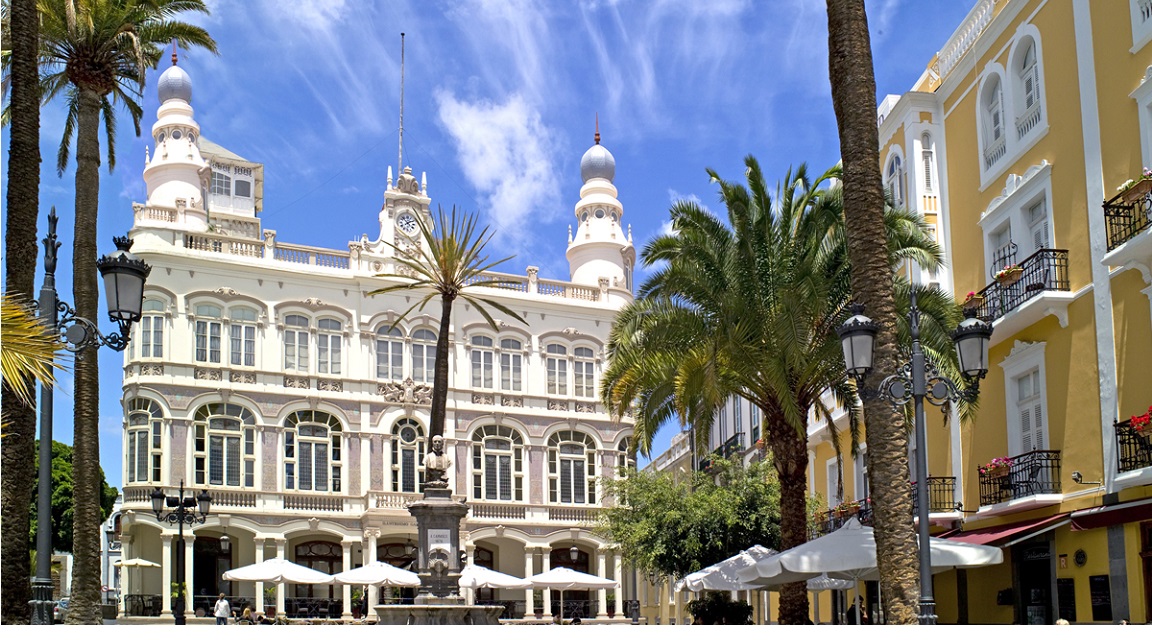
997 472
1009 275
973 301
1134 190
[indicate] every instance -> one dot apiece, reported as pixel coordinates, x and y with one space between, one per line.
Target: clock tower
405 202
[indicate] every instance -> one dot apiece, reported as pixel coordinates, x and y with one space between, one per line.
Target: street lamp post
920 380
124 276
181 514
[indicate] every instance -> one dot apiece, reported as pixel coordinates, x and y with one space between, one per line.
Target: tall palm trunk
23 204
854 98
790 457
440 382
85 604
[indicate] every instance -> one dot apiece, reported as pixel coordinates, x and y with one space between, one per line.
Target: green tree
63 504
20 39
94 54
448 262
749 308
675 526
853 83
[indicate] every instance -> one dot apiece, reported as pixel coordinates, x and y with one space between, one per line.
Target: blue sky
500 102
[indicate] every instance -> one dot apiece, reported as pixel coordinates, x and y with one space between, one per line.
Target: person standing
222 610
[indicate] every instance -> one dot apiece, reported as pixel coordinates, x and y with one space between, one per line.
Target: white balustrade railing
965 36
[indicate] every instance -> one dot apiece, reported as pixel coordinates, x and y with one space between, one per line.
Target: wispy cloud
506 153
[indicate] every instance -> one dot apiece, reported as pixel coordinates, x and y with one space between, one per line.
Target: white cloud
675 196
506 154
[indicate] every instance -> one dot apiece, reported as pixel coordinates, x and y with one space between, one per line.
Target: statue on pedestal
437 463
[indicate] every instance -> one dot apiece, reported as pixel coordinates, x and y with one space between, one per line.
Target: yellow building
1013 144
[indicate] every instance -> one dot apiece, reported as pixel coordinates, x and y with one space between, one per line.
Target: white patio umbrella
850 553
564 578
135 563
722 576
278 571
378 574
477 577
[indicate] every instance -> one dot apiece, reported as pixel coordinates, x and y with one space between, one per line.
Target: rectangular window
582 379
408 470
243 345
423 363
296 350
207 341
389 360
328 353
557 376
152 337
510 371
482 368
232 450
243 189
1030 405
216 459
221 184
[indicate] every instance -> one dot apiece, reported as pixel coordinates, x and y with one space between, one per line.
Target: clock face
407 223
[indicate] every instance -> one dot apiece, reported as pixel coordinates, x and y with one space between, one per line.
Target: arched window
483 356
325 557
389 354
497 464
895 180
221 184
626 456
208 330
145 425
224 447
992 114
243 334
926 155
328 340
572 467
583 373
407 457
1029 78
296 343
151 329
423 355
511 358
557 363
312 451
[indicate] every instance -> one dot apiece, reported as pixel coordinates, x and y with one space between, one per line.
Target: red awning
1111 515
1008 534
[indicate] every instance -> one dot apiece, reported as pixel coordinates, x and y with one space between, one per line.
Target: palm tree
749 309
94 52
28 352
854 97
22 116
447 263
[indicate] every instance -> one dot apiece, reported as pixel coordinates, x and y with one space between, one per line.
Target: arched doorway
209 562
319 600
577 604
403 556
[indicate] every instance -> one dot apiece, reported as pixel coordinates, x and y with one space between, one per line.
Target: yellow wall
1132 319
1118 72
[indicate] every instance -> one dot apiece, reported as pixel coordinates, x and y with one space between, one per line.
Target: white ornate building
263 372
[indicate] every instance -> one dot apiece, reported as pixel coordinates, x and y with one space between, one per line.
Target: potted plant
610 604
1142 424
357 602
1009 275
973 300
760 444
996 468
270 601
1137 188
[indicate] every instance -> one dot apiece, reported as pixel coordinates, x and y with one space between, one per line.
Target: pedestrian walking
222 610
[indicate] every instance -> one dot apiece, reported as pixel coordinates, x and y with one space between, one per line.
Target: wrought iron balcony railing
731 447
1128 214
1030 474
1045 270
1133 448
941 494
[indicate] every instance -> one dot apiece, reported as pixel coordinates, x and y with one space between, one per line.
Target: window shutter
1026 429
1037 425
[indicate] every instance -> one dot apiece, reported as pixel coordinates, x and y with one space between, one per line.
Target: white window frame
993 73
1027 35
423 355
413 451
208 330
329 346
894 171
221 184
483 357
1143 97
556 363
583 372
511 364
242 337
860 474
1141 23
151 329
1012 209
1024 358
389 354
831 480
144 442
300 434
928 158
563 466
204 429
483 473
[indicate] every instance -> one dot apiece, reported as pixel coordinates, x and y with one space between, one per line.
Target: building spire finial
400 156
597 136
174 58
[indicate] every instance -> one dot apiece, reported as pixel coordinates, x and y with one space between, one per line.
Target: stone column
126 584
470 595
601 594
259 544
529 571
280 544
189 547
545 566
618 571
166 573
370 536
346 612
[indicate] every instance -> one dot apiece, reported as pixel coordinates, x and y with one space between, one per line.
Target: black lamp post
916 381
124 277
181 514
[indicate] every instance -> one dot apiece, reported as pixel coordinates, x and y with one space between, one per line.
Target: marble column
529 571
601 594
545 566
259 545
470 549
346 558
166 572
281 543
126 584
618 571
189 547
370 537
